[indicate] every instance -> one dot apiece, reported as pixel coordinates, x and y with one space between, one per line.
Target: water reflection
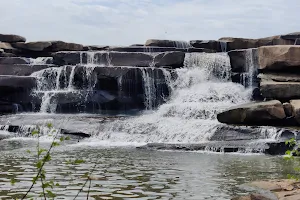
138 174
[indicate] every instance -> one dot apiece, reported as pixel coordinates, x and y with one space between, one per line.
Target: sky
126 22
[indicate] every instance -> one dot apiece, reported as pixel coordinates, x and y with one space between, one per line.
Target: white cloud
124 22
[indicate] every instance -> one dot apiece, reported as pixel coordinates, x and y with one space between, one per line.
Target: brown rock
296 109
279 77
33 46
5 45
288 109
276 58
252 197
11 38
65 46
280 90
262 113
245 43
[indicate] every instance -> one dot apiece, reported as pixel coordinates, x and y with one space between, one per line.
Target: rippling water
129 173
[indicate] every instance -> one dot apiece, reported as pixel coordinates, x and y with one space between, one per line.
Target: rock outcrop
279 58
11 38
262 113
245 43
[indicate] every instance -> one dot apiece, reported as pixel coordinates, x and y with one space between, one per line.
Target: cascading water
247 78
201 90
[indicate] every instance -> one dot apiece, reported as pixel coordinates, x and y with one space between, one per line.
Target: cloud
124 22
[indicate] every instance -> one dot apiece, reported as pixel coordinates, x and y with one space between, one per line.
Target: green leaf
28 151
86 175
57 184
55 144
35 132
50 194
67 138
47 157
12 181
45 185
39 164
34 179
61 139
77 161
41 151
49 125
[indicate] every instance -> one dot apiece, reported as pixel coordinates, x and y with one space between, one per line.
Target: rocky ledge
278 81
273 190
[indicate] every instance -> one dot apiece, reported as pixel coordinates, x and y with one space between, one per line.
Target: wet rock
4 54
75 133
291 36
245 43
144 49
262 113
280 90
288 109
8 108
14 60
167 43
252 197
199 50
11 38
279 58
172 59
33 46
17 82
21 70
64 46
243 60
207 44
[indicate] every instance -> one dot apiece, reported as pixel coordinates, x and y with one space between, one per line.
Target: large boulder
279 90
167 43
243 60
262 113
32 46
207 44
171 59
11 38
245 43
279 58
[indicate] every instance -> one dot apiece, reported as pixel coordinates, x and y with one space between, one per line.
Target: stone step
21 69
248 146
25 82
171 59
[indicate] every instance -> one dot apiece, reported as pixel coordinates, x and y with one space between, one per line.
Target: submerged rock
262 113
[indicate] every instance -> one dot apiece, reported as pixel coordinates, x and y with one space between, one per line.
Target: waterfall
223 46
248 77
182 44
201 90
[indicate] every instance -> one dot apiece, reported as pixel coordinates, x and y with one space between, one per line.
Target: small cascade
248 78
223 46
182 44
41 61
